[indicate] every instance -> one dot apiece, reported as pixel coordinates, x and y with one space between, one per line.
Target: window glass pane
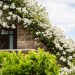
11 42
4 42
11 32
4 32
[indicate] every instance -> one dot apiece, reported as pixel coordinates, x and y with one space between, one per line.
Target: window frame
14 36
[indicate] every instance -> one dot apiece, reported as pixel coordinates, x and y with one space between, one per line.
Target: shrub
34 63
34 18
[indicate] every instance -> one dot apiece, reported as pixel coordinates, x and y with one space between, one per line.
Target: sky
61 14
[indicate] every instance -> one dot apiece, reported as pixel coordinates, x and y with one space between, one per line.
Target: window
8 39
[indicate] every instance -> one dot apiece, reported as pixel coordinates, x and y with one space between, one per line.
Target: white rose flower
37 33
73 55
65 45
69 62
5 7
12 6
8 18
61 58
24 10
58 53
61 48
19 9
57 45
26 21
13 26
64 60
63 52
65 69
25 26
69 50
7 26
19 18
70 58
4 24
10 13
14 16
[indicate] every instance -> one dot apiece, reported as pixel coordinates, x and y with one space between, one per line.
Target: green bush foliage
33 63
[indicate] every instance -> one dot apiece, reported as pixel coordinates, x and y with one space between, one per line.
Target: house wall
25 40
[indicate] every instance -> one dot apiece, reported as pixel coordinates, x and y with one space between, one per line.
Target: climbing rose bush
34 18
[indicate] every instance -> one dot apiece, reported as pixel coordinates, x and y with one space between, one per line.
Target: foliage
34 63
34 18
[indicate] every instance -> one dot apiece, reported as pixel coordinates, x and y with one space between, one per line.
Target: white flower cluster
13 26
26 21
24 10
5 25
66 71
66 47
5 7
12 6
12 16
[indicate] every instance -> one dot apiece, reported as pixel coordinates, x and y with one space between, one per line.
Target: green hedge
33 63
